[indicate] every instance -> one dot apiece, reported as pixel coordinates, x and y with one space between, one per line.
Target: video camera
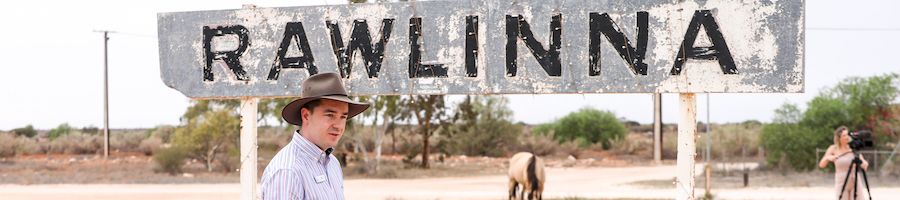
861 140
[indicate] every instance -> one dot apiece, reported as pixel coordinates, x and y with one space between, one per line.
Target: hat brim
291 112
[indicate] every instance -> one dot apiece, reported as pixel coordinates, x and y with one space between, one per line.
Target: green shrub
206 136
589 126
170 160
60 130
792 145
27 131
854 102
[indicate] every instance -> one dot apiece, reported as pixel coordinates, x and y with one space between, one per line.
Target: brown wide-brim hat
321 86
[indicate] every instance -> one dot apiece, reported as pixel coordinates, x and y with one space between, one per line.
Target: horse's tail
532 173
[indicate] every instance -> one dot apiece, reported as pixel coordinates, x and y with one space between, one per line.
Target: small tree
792 145
787 114
388 109
209 133
27 131
60 130
428 111
272 108
589 126
483 126
855 102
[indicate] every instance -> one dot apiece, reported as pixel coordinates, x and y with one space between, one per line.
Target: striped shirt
301 170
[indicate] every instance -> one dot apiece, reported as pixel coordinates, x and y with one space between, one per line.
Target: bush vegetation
586 127
858 103
170 160
27 131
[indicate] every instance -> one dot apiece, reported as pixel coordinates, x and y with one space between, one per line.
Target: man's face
324 125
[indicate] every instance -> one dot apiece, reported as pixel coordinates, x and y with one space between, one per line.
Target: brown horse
528 170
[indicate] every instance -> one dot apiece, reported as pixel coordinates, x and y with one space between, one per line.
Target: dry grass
76 143
393 167
7 145
127 141
633 144
121 168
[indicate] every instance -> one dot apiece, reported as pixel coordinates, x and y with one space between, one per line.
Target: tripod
855 167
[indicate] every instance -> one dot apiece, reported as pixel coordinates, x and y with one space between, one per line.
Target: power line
853 29
135 35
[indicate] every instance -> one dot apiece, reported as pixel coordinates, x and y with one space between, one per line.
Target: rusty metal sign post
489 47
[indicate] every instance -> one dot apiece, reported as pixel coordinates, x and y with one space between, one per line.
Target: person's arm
865 164
282 185
828 157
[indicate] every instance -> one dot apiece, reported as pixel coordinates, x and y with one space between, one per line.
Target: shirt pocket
318 190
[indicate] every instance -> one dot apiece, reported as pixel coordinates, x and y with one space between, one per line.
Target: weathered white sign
489 47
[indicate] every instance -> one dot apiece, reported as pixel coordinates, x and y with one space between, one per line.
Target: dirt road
606 183
570 182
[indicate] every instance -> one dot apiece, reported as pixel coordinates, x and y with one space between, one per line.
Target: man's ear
304 115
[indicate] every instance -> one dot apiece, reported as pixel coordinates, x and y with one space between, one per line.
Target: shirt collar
309 149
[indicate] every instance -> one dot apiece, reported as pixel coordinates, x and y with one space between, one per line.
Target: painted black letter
603 24
293 31
231 58
471 45
517 27
361 40
416 68
718 51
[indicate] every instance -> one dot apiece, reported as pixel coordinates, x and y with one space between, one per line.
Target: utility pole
657 128
708 169
708 134
105 93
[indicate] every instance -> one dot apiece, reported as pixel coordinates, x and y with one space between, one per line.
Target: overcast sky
52 64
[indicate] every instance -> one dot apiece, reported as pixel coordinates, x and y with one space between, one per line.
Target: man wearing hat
305 167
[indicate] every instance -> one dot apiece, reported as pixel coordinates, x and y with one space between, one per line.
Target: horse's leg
531 193
522 193
512 188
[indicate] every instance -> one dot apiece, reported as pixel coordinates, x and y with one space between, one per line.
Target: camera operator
842 155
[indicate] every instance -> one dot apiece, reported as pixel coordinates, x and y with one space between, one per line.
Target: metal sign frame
489 47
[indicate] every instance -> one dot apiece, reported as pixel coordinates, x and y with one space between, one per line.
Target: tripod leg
855 181
866 181
844 186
